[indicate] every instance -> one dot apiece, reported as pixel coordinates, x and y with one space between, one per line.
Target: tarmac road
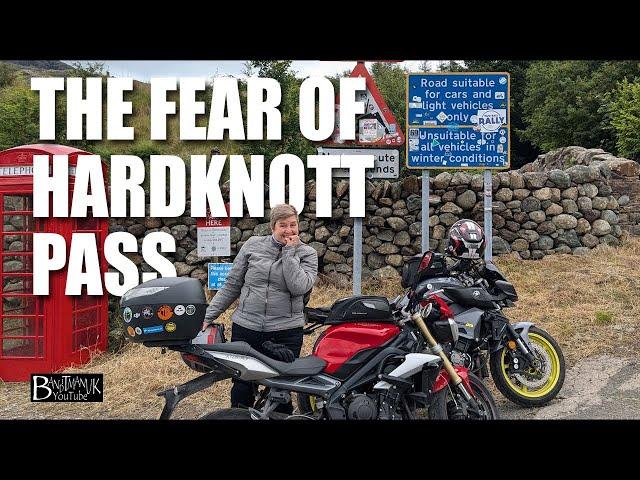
603 387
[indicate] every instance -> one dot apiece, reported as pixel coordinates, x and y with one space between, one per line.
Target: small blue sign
218 274
458 120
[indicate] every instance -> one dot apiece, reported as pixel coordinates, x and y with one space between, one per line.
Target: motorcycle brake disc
534 380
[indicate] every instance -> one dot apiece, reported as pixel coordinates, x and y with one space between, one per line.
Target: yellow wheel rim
312 402
552 363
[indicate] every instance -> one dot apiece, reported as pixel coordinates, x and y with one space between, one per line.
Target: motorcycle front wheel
538 384
444 403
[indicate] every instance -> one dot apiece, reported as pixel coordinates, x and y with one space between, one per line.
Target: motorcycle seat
310 365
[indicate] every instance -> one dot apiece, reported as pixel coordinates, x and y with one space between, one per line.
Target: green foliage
19 117
88 69
454 66
7 74
293 141
623 113
145 148
392 84
563 102
604 317
522 151
391 81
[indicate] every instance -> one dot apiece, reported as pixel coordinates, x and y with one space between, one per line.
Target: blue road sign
218 274
458 120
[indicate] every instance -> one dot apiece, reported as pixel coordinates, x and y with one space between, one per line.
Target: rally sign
458 120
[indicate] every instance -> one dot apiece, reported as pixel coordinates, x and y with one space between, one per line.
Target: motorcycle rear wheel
442 404
513 385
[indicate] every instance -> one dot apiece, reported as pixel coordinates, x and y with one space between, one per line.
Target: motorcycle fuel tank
468 319
350 344
437 283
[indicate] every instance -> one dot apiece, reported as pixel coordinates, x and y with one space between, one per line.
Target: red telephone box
46 333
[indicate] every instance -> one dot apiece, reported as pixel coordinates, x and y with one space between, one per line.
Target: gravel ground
599 387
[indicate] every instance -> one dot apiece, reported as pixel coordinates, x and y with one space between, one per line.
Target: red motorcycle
377 360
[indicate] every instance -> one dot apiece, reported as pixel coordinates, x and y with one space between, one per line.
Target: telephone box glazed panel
42 334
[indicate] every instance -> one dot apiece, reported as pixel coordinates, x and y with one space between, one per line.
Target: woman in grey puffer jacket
270 275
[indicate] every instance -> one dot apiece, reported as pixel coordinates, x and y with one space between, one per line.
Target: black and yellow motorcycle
526 363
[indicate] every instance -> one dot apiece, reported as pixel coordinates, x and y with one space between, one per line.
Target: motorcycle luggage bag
360 308
409 271
164 311
410 274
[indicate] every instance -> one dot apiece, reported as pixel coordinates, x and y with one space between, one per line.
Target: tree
7 74
19 123
89 69
292 140
563 102
623 112
391 81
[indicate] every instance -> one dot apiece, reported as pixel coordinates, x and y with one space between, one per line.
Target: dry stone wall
567 201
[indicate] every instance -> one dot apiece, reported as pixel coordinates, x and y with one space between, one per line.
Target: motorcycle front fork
521 347
480 355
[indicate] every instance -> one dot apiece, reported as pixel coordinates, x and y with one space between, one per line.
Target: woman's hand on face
293 240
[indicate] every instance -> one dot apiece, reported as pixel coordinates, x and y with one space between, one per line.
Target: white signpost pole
425 210
488 216
377 127
357 255
489 125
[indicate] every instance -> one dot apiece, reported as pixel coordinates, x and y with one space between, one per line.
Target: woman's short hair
280 212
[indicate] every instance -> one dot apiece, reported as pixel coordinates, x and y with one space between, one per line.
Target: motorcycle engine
362 407
460 359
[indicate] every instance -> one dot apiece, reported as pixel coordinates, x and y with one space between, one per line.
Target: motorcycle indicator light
445 311
511 344
426 260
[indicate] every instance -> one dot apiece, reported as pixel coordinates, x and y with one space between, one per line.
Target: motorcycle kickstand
175 395
270 405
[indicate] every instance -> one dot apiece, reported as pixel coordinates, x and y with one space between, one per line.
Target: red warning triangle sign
377 126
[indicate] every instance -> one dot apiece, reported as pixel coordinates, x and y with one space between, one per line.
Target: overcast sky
144 70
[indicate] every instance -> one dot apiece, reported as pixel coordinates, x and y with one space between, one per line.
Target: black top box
164 311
